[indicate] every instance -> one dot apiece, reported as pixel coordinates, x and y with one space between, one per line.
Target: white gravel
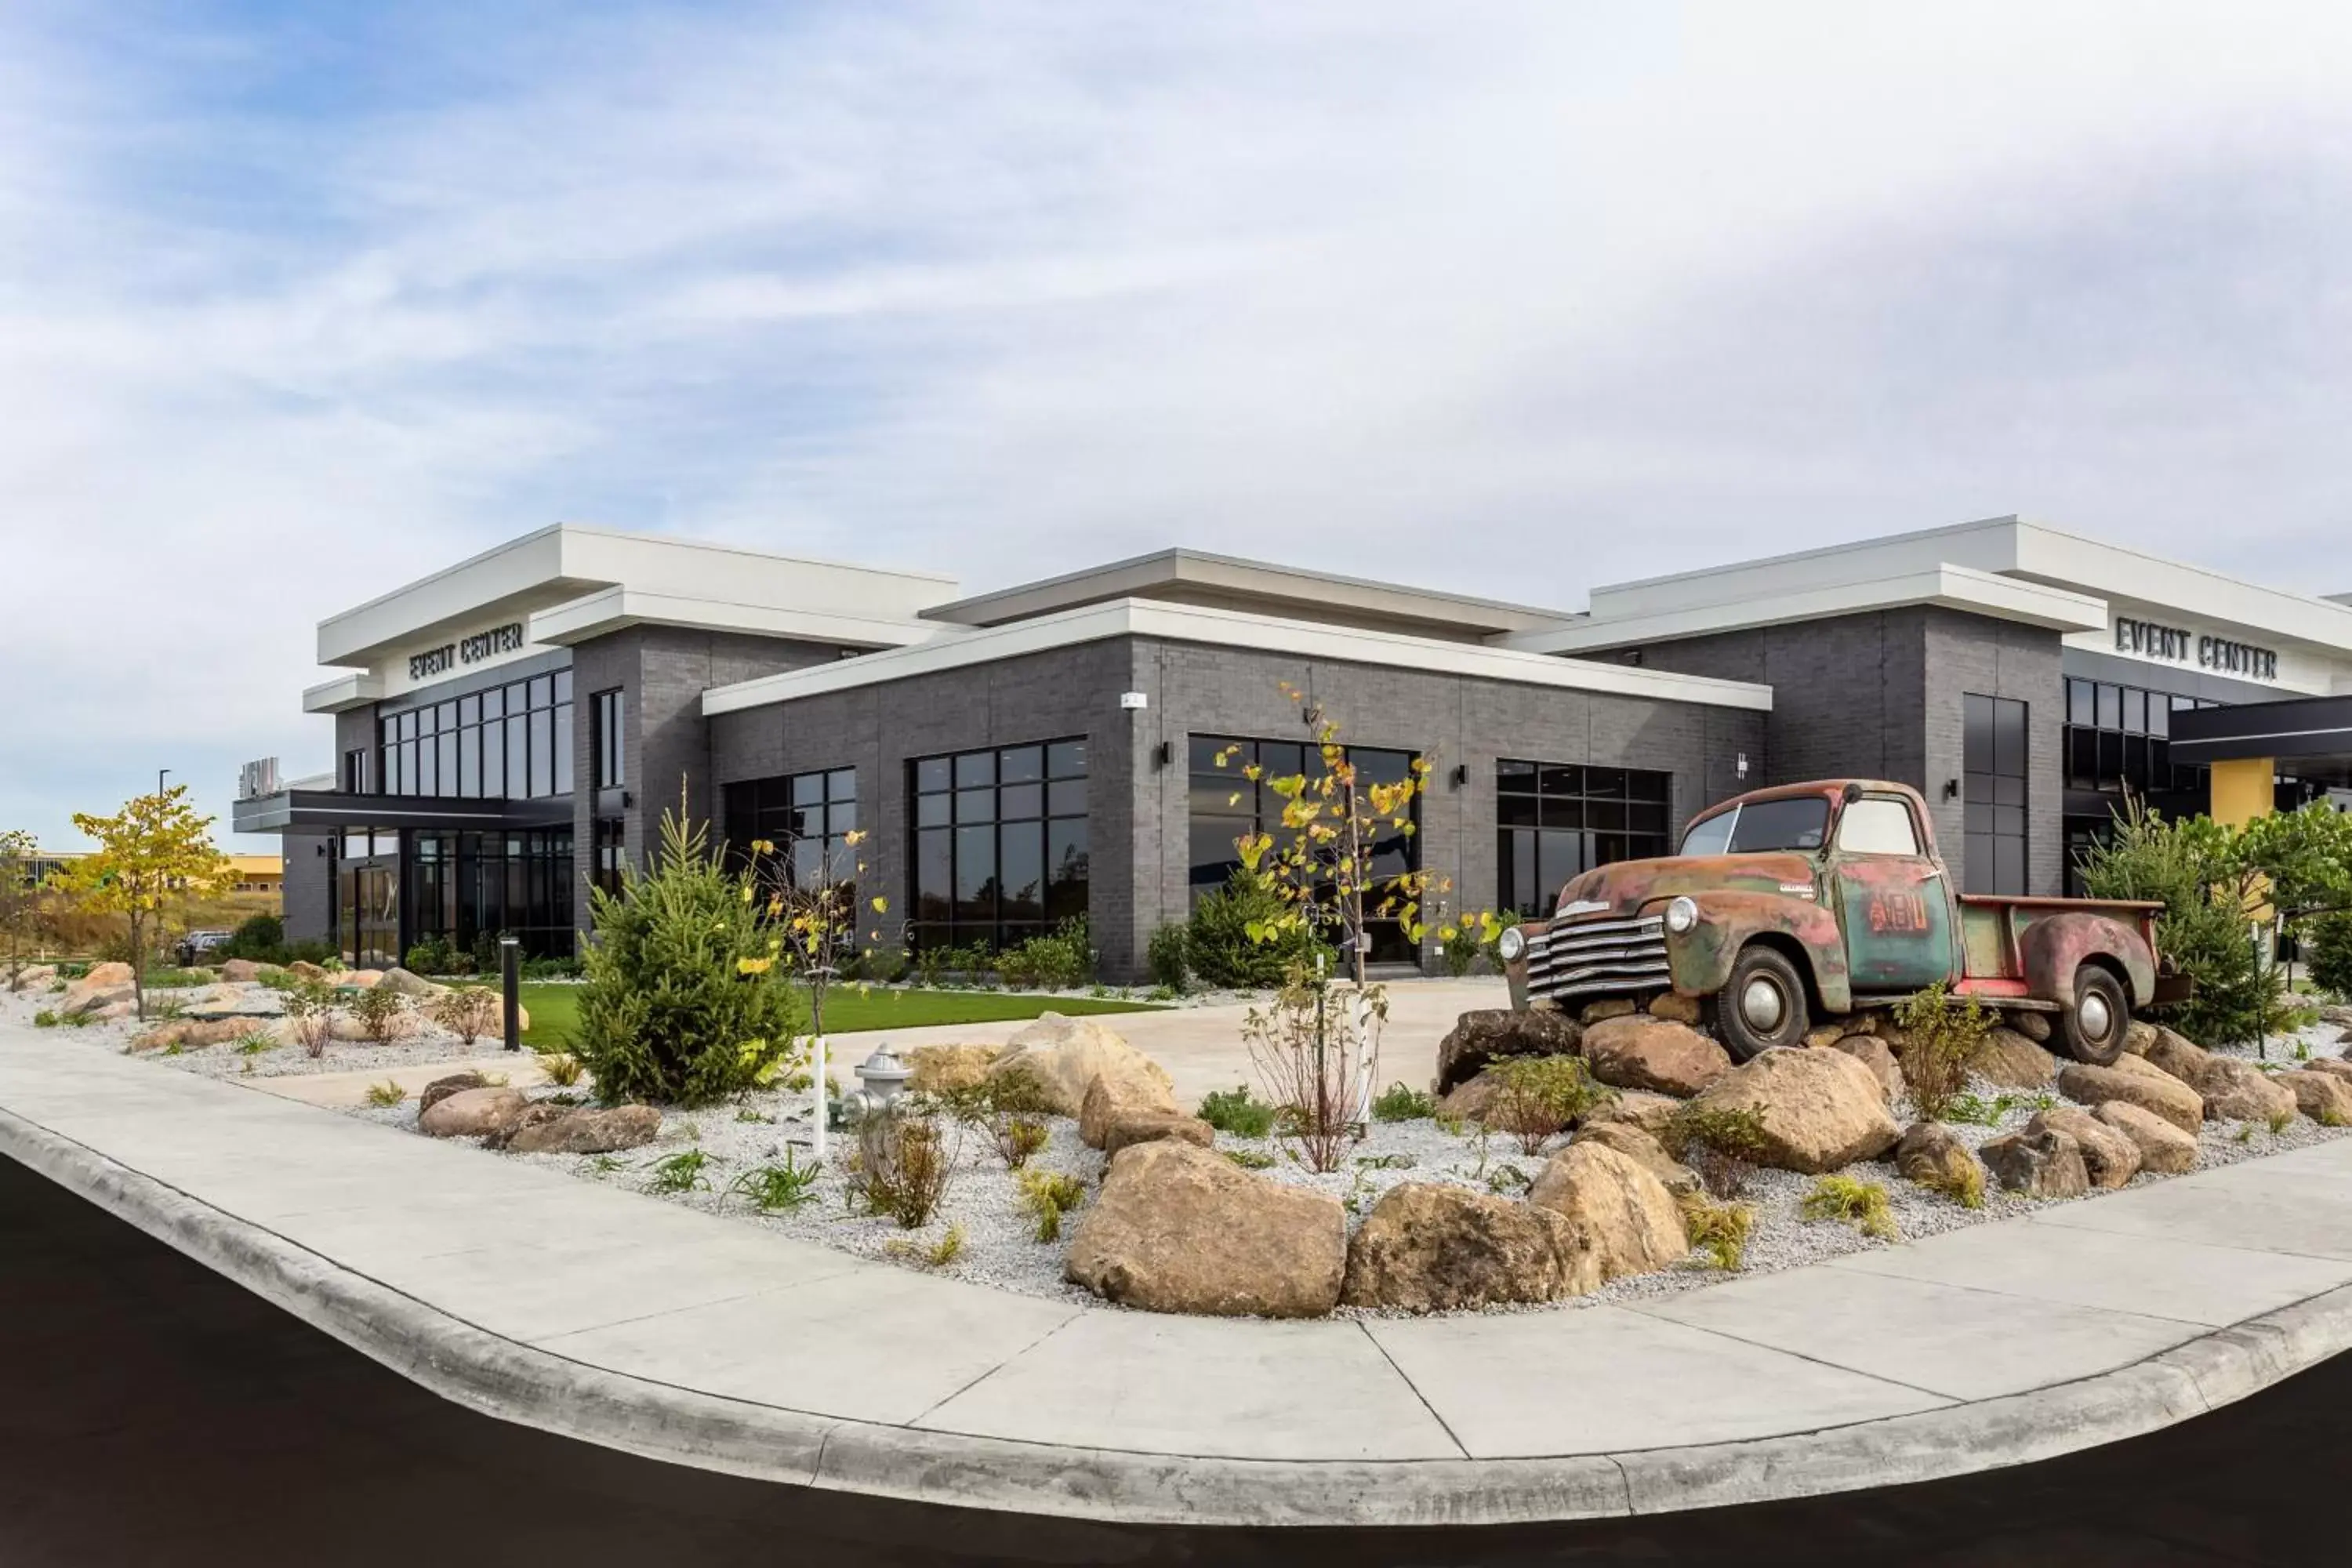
424 1045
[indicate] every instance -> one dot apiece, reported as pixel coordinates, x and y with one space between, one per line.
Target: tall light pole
159 779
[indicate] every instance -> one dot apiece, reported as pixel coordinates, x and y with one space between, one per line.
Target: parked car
196 944
1795 905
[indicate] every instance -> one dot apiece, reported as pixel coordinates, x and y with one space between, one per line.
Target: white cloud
1005 287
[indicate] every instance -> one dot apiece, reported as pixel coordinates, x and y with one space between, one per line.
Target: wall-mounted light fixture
1630 656
1133 702
1164 755
1741 767
1951 789
1461 774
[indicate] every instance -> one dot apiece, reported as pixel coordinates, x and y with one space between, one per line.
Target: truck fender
1700 959
2052 949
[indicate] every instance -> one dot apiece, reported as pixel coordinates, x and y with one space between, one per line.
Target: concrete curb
517 1383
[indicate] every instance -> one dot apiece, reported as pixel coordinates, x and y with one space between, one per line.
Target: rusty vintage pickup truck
1790 907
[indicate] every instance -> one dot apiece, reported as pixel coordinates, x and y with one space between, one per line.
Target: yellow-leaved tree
814 920
151 854
20 906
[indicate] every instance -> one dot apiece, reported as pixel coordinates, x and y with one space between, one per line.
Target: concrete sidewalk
618 1318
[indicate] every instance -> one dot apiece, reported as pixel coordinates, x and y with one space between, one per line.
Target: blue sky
300 301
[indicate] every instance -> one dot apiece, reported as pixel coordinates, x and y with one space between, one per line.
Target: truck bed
1992 924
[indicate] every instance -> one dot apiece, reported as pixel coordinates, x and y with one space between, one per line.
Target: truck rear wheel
1761 1005
2095 1025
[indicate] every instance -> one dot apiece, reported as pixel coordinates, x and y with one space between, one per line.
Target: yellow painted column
2243 791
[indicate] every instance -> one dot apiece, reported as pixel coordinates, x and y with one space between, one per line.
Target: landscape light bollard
511 974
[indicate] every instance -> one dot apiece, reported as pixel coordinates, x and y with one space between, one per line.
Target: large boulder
1180 1229
473 1113
942 1069
441 1089
1820 1110
1151 1126
2237 1090
83 1000
2038 1162
240 970
2139 1036
1879 1058
2324 1097
360 979
190 1034
1933 1156
2178 1056
2164 1149
401 982
1067 1055
1639 1051
1625 1220
1122 1094
2012 1061
584 1130
1607 1008
1644 1150
1494 1034
2133 1082
1635 1107
113 972
1430 1246
2110 1156
34 977
2334 1067
1679 1008
303 969
1472 1102
2034 1027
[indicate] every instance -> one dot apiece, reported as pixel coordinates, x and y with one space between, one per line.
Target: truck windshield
1760 825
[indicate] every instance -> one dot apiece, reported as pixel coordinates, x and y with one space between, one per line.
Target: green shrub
261 938
1250 1159
1721 1144
562 1068
1168 958
1965 1188
1400 1103
681 1172
938 1255
1236 1111
377 1012
1719 1230
1017 1138
1940 1033
901 1166
1048 1196
385 1095
1218 946
1540 1095
2328 947
469 1012
2200 934
312 949
1860 1204
785 1186
256 1042
1461 951
682 1004
433 956
47 1018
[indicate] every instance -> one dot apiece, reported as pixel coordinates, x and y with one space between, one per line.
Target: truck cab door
1893 902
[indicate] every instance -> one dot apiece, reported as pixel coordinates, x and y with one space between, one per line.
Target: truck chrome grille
1598 957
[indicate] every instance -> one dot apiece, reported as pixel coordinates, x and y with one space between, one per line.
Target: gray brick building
509 732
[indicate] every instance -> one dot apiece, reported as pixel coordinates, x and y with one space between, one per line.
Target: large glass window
999 843
1554 820
2118 738
1226 805
513 741
606 737
467 886
1993 791
807 816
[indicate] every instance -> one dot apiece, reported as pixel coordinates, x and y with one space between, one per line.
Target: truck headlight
1511 944
1681 915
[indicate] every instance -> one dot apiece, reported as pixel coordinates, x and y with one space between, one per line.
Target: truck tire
1761 1005
2094 1026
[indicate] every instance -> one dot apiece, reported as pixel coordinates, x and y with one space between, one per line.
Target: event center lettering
473 649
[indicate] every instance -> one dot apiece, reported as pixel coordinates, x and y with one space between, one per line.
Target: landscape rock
1679 1008
302 969
2325 1098
1471 1101
1644 1150
2334 1067
82 998
1933 1154
1878 1056
33 976
1180 1229
2110 1155
1641 1052
586 1130
472 1113
1625 1220
241 971
938 1069
1122 1094
1432 1247
2139 1036
1128 1131
401 982
2132 1082
1494 1034
2012 1061
2237 1090
113 972
2178 1056
1821 1110
2039 1163
1635 1107
1607 1008
360 979
441 1089
1067 1055
190 1034
2034 1027
346 1027
2164 1149
1823 1036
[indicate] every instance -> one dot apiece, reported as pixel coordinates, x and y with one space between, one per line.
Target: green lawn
554 1009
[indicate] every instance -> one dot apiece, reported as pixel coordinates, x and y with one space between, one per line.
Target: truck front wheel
2095 1026
1761 1005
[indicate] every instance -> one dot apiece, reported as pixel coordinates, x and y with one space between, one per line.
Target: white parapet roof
1231 629
667 581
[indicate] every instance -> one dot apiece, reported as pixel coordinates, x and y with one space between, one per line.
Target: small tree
153 854
20 906
678 1003
812 917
